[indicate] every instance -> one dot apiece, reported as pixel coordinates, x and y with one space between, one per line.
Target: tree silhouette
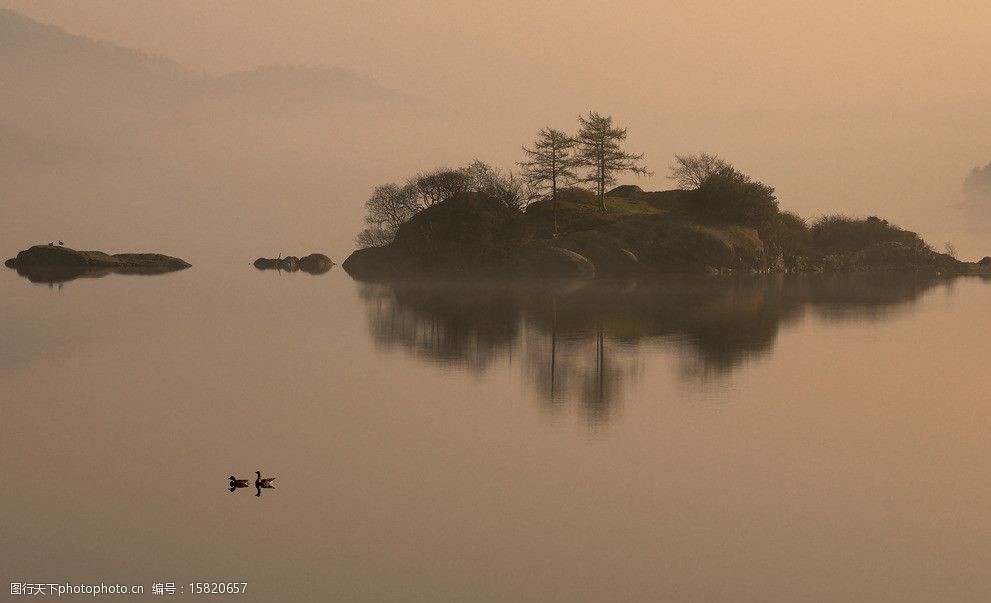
599 150
691 171
549 163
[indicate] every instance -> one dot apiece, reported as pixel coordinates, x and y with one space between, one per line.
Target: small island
56 263
642 233
477 220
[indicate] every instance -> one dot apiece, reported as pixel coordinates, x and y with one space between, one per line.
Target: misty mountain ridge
42 66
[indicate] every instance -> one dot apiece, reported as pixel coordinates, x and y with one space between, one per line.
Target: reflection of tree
471 324
583 367
580 342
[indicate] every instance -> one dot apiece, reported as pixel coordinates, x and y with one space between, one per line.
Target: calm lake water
770 439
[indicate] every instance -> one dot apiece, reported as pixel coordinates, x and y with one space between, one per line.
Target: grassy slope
665 206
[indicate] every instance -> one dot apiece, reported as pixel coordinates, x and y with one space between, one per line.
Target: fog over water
843 107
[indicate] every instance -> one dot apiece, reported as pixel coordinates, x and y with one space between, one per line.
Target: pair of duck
260 482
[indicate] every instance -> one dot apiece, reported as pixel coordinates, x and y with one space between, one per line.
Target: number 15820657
217 588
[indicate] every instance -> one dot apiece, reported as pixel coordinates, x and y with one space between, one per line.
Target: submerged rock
49 263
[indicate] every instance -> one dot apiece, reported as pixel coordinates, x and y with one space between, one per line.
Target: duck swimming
238 483
263 483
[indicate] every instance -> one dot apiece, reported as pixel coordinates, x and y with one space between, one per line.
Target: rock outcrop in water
315 263
643 233
49 263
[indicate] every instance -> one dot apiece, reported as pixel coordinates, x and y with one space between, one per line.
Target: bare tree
389 206
599 150
430 188
504 187
549 163
691 171
951 249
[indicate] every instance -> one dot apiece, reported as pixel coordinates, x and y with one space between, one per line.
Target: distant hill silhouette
43 64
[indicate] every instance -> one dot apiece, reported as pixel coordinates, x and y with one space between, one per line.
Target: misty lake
805 438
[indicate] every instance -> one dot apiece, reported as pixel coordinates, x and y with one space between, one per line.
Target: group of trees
842 234
392 204
722 193
556 161
557 158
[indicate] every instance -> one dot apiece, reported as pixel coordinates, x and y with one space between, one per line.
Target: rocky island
640 233
51 263
542 223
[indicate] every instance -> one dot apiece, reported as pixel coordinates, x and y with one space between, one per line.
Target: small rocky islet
314 263
57 263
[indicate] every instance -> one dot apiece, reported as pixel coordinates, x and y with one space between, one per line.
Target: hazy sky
859 107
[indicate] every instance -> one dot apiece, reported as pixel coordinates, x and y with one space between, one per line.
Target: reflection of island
579 341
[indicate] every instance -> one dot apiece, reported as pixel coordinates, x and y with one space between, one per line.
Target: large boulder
147 263
290 263
610 255
374 263
667 246
49 255
546 261
625 191
469 233
315 263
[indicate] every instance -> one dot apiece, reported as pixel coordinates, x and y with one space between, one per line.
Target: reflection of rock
51 264
315 263
579 340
